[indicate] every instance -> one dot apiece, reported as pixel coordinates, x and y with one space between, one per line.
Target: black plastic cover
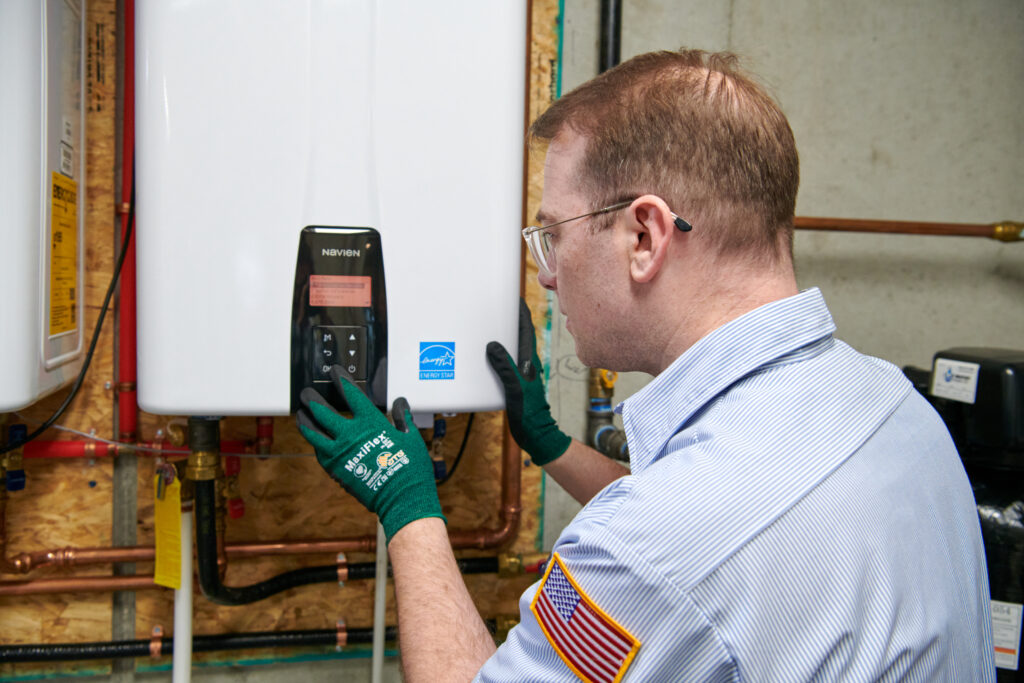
989 431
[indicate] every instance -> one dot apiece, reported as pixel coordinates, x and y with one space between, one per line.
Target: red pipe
127 406
68 449
264 434
97 449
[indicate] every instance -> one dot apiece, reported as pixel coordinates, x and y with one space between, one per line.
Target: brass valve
602 383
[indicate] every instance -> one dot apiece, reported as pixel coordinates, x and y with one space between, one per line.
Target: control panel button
339 345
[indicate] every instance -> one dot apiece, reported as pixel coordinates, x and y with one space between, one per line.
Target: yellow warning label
63 255
167 520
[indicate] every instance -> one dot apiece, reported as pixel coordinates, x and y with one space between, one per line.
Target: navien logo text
346 253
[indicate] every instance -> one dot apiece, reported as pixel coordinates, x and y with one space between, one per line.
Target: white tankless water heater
42 192
327 181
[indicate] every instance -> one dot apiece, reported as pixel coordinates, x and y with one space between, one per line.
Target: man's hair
694 129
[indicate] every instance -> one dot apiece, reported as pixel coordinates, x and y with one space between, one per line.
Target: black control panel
339 312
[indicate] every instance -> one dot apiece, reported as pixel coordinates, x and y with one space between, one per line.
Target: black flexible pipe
68 652
611 34
206 559
467 565
65 652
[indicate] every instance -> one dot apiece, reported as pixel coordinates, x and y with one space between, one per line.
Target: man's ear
651 231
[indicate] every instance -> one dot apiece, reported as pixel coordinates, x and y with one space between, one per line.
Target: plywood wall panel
69 502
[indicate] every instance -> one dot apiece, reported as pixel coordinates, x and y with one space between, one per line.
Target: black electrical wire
95 335
462 449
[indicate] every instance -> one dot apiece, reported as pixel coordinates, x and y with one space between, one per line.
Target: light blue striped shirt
795 512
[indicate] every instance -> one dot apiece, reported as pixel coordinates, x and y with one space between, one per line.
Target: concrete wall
902 110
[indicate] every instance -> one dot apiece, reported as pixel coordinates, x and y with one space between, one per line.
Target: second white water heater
42 197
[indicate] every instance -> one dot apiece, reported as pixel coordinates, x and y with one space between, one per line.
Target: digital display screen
342 291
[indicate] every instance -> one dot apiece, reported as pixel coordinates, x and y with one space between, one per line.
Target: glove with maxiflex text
529 415
387 468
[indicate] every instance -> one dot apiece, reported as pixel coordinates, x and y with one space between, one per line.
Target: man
794 511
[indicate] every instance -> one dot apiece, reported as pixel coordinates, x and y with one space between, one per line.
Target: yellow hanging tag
167 499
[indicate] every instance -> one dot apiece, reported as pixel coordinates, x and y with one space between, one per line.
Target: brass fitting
512 564
509 565
175 434
12 461
202 465
1008 231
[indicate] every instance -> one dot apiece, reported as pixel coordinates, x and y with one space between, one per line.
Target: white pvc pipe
379 598
181 671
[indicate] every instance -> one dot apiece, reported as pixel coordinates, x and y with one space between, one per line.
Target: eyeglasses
542 248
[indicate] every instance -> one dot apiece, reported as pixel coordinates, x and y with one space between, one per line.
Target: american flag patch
588 640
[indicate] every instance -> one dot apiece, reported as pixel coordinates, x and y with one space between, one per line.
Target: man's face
585 274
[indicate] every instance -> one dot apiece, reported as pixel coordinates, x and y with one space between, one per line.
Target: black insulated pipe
467 565
69 652
204 433
206 558
611 34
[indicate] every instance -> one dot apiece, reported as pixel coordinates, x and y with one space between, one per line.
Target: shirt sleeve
603 598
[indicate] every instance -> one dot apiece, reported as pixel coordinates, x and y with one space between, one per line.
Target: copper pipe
65 558
1007 231
79 584
357 544
511 508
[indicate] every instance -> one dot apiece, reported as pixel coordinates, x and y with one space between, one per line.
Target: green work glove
387 468
529 415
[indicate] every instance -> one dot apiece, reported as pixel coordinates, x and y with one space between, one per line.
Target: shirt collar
655 413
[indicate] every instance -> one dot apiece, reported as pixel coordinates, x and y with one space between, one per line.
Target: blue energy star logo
437 360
